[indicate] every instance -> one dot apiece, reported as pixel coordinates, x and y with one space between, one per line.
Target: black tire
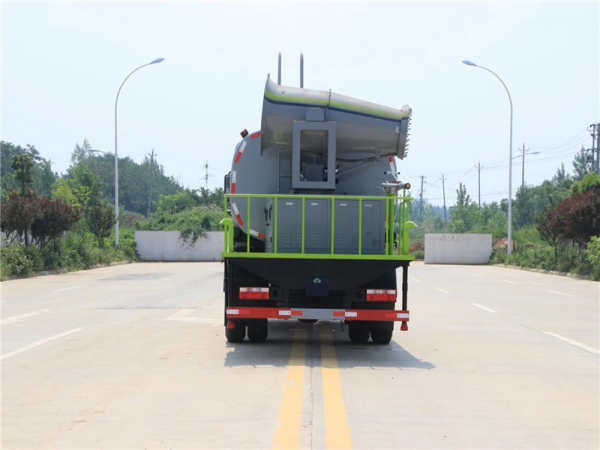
235 335
358 333
381 336
258 331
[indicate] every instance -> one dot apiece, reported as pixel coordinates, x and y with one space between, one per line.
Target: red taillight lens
381 295
254 293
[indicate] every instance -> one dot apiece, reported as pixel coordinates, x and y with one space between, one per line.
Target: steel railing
397 220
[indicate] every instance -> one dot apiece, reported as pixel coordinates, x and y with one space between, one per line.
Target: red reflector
381 295
254 293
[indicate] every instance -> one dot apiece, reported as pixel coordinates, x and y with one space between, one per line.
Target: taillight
381 295
254 293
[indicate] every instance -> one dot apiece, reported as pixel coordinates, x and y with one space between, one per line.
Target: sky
63 63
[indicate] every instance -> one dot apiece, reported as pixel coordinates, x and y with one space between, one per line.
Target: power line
561 145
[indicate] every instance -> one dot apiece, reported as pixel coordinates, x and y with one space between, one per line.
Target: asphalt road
135 356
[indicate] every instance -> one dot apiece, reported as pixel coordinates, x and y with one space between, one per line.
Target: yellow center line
287 434
337 428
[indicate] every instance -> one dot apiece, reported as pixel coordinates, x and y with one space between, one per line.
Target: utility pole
206 176
444 193
523 151
594 128
150 188
421 205
479 183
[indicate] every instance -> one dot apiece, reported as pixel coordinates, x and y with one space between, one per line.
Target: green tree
418 210
41 171
173 204
189 212
80 153
85 187
465 216
99 219
548 225
433 220
590 182
54 218
137 182
582 164
22 165
562 179
493 220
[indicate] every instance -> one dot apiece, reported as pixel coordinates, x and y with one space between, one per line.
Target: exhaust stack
301 71
279 70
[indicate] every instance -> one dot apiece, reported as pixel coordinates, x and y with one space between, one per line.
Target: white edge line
560 293
38 343
441 290
181 314
575 343
415 280
18 318
509 282
484 308
66 289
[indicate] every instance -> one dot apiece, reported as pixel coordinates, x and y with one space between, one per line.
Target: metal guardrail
397 217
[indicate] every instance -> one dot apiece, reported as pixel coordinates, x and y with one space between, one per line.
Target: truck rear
316 218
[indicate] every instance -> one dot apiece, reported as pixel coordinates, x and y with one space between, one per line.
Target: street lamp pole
510 158
156 61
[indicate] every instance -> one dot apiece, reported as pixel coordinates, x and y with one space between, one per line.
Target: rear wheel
381 336
258 331
236 334
358 332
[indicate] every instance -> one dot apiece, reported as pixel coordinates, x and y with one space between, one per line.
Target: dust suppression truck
316 218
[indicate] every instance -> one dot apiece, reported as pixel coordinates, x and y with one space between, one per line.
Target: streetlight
510 158
156 61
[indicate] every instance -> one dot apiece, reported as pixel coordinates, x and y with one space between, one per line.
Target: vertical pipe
301 70
392 223
400 206
387 226
279 70
360 226
405 287
303 223
225 230
248 237
332 225
276 219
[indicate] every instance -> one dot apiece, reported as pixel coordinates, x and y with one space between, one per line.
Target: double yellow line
337 429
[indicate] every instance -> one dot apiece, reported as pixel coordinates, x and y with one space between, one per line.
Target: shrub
127 246
14 261
36 257
419 255
593 256
499 256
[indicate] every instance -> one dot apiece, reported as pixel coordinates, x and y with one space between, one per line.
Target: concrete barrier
169 246
458 248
